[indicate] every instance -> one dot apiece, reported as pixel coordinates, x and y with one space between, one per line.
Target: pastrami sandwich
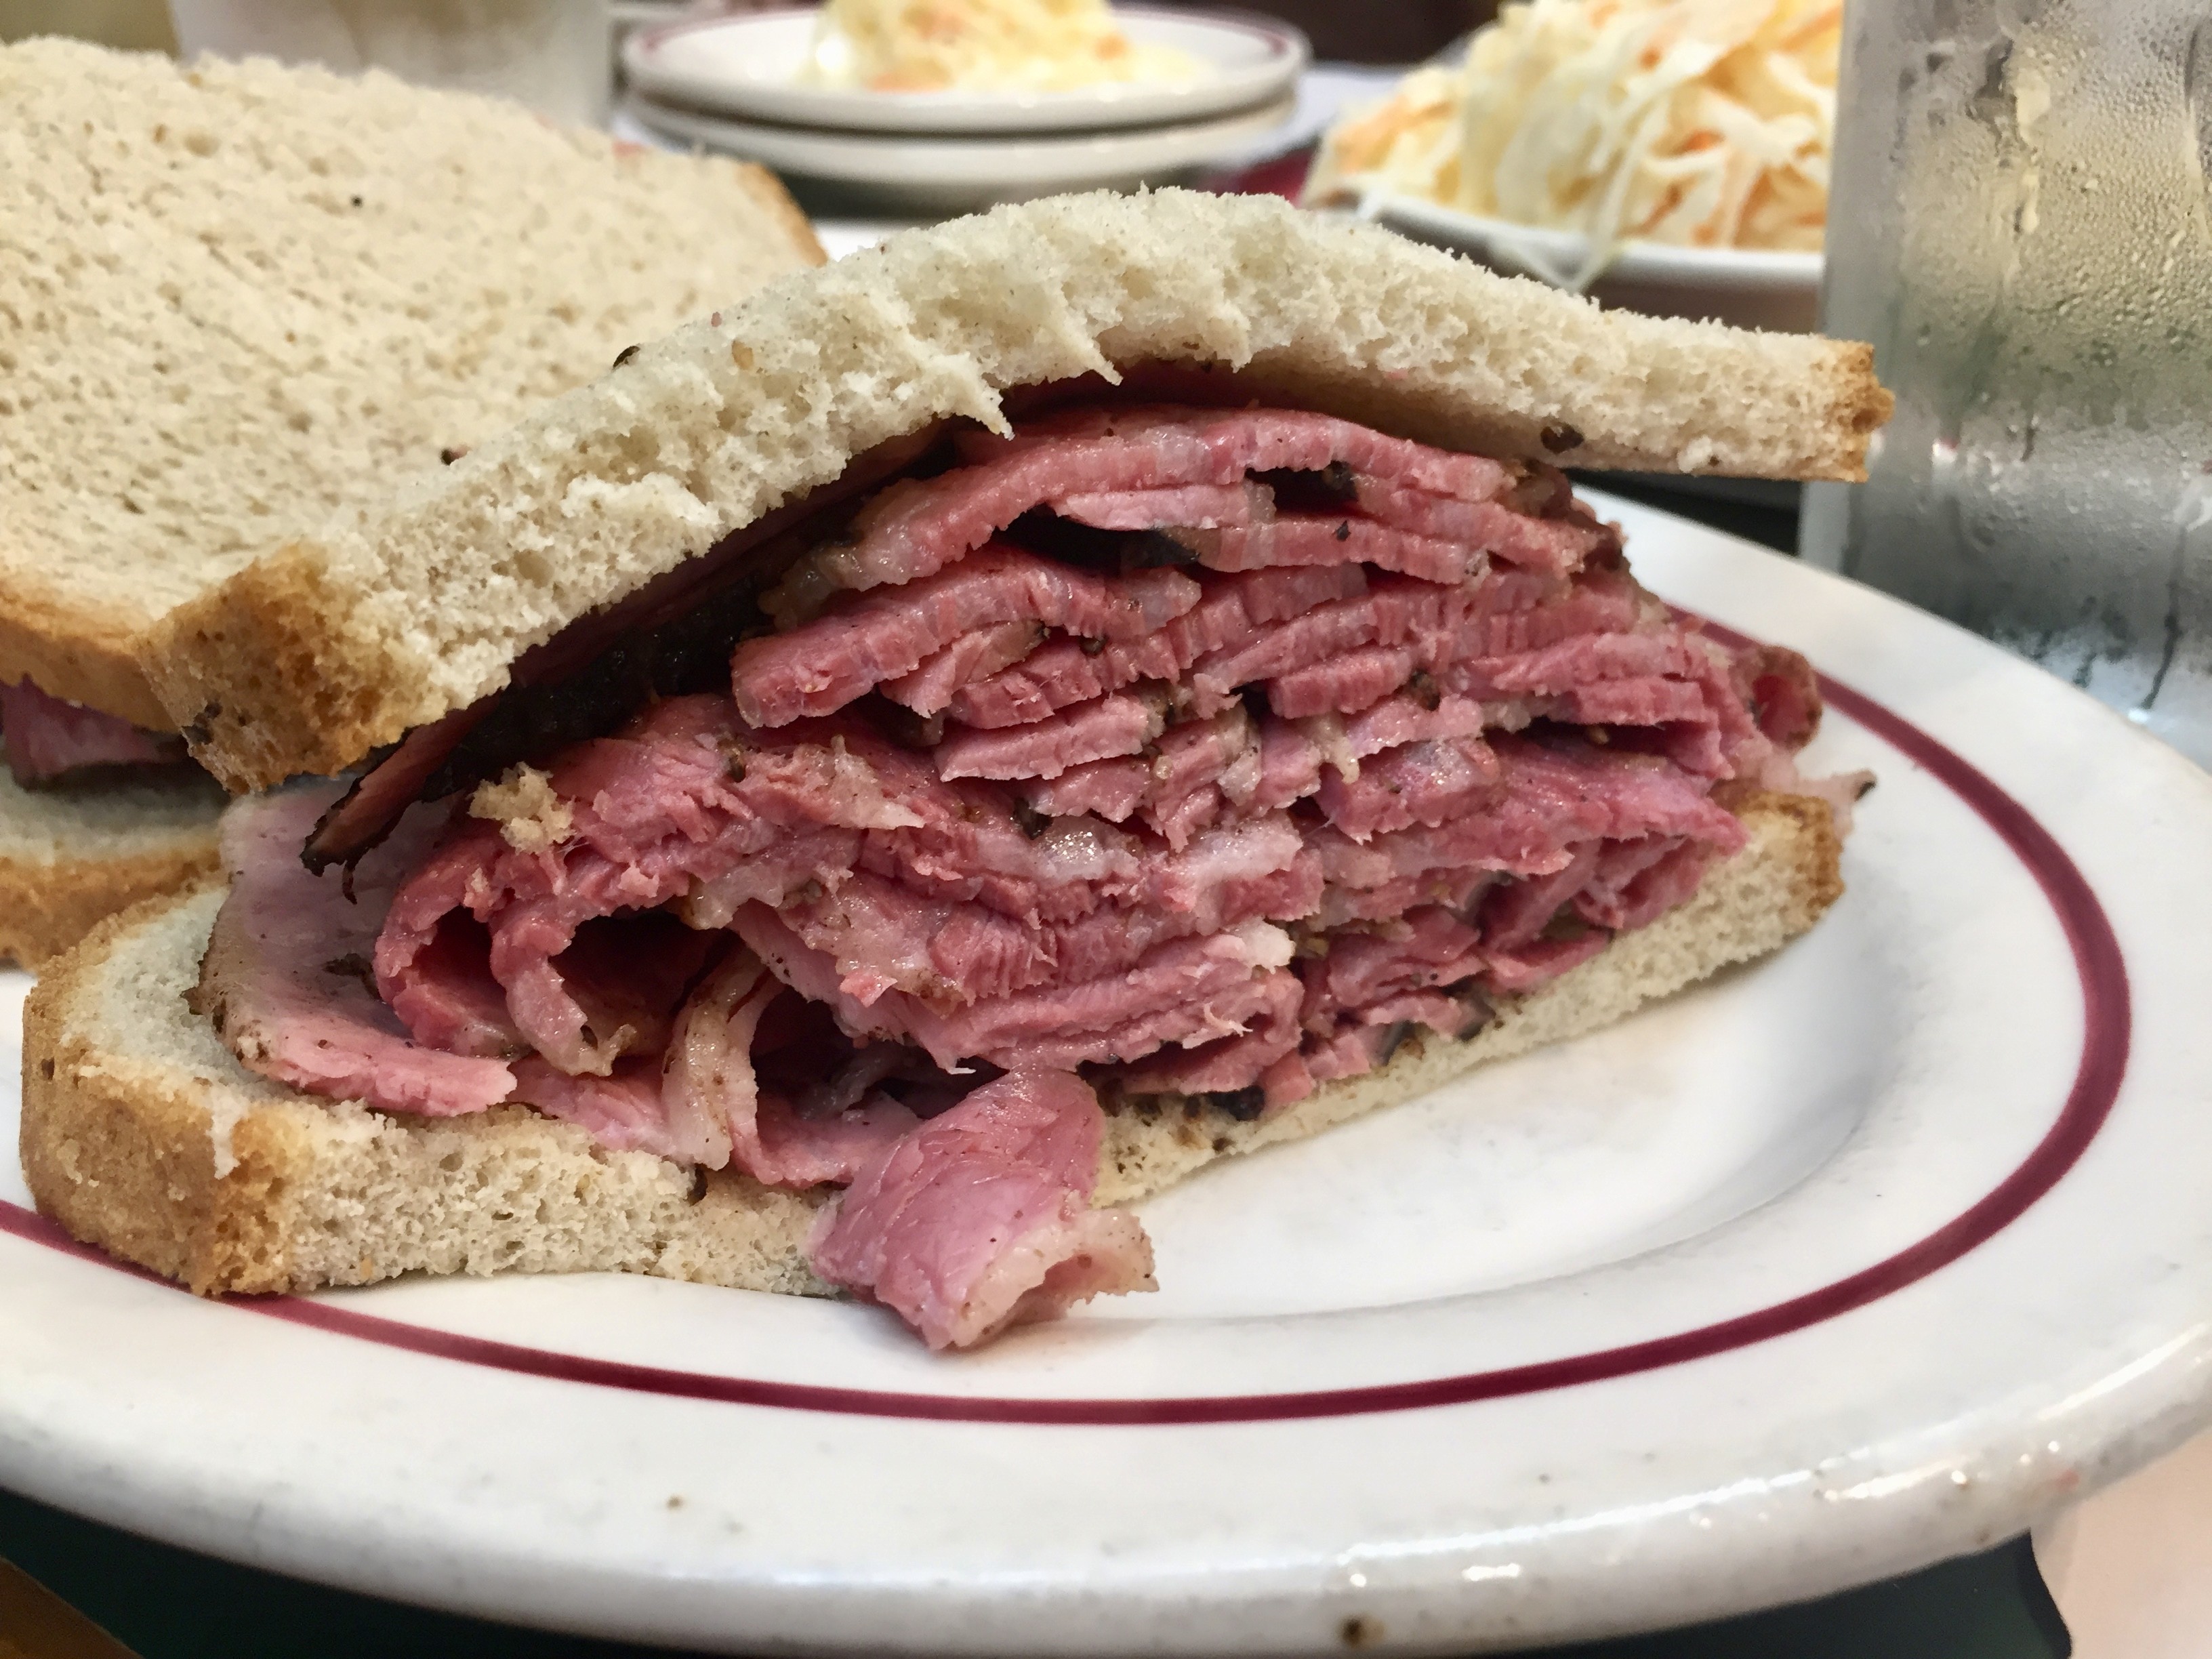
869 788
237 297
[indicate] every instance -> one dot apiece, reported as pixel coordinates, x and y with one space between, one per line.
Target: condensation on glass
2020 221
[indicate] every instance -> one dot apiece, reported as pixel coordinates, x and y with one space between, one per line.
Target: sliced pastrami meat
1345 684
48 737
1365 973
981 1219
700 1103
882 936
1090 732
929 690
711 1095
1186 990
357 820
287 981
1326 538
1428 782
1109 789
1199 773
1782 692
1228 1065
1232 614
818 669
914 529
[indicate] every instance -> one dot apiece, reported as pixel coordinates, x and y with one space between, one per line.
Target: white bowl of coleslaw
1750 287
1667 155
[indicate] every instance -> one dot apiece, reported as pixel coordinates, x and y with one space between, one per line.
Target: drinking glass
2019 221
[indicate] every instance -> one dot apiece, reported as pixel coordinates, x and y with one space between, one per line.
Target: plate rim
965 165
1109 107
1639 260
1948 1482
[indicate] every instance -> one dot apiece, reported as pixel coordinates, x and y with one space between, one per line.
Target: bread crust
375 626
782 214
129 1144
72 650
292 698
143 1135
73 853
45 909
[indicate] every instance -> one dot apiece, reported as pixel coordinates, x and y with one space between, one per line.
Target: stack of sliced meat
1150 751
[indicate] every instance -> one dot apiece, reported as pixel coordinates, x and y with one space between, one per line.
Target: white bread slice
388 619
142 1134
75 852
240 296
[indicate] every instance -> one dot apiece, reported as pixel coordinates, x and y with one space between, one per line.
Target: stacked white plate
731 83
1750 287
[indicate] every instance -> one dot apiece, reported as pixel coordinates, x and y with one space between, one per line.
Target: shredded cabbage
995 45
1705 123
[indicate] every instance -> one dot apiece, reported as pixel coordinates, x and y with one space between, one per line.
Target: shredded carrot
922 45
1705 123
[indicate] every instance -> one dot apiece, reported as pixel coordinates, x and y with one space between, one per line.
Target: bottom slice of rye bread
143 1135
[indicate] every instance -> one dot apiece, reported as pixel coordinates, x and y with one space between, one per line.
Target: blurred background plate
1752 288
745 66
955 174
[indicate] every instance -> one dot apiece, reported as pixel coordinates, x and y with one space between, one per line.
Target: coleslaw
1702 123
996 45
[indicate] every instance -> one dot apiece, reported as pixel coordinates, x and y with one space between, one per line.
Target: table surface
169 1603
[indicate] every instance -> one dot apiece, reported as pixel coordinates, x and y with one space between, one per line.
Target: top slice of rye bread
236 298
393 617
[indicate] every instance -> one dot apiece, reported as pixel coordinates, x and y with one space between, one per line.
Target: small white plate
746 66
1865 1255
955 174
1752 288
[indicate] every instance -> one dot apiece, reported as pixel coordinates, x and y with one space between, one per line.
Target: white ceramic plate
746 66
953 174
1871 1254
1752 288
